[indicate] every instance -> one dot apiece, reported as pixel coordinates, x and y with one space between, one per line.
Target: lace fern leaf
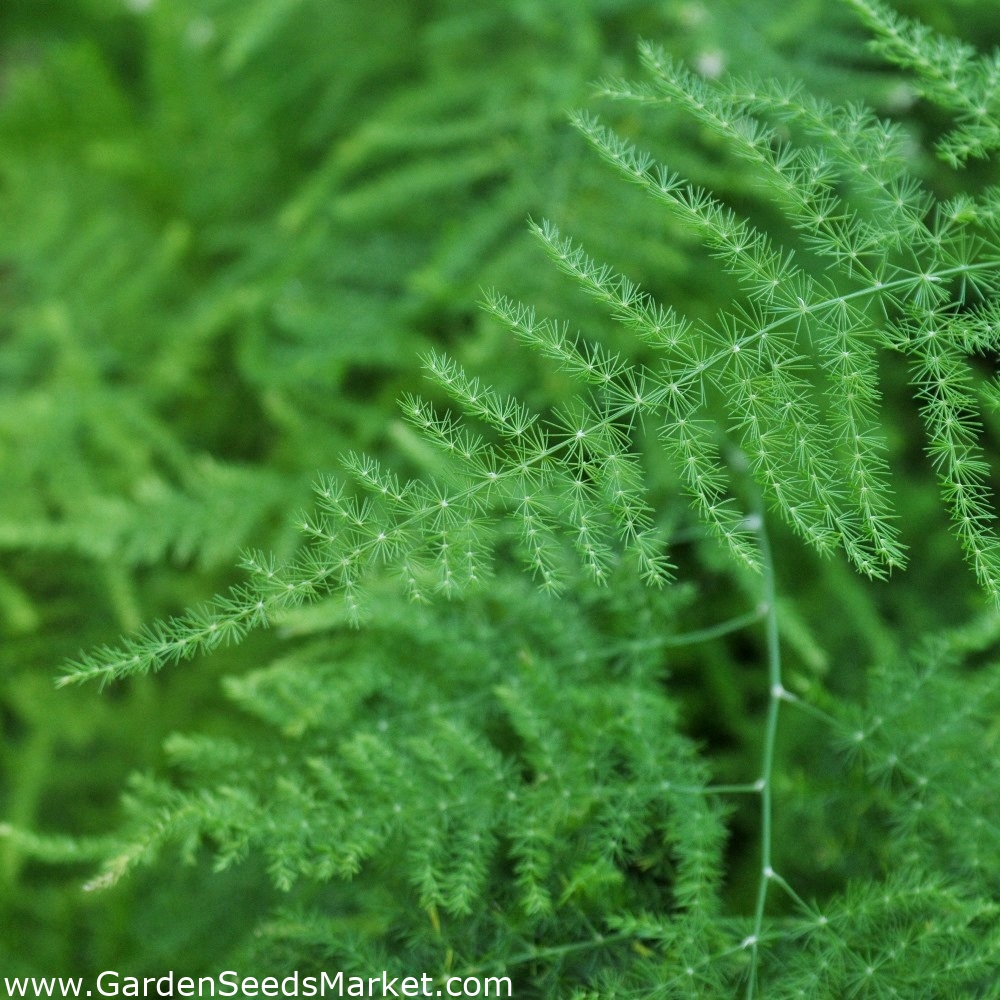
900 271
788 371
949 73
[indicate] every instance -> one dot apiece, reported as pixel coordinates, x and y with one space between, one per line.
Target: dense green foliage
638 661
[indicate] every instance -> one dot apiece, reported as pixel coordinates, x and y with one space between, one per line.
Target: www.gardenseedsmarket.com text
231 984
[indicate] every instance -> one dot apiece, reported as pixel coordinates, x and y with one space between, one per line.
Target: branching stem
776 694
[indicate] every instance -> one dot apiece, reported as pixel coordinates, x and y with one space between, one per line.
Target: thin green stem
730 625
777 694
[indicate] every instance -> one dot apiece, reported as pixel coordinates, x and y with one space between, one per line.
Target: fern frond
751 374
950 73
932 261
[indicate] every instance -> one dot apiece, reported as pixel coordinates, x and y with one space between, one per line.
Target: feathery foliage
513 784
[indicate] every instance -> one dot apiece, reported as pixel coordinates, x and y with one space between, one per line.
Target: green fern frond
790 370
950 74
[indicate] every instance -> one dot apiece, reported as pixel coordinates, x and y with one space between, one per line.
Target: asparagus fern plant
507 784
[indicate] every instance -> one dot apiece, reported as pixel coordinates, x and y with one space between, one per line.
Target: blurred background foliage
227 229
